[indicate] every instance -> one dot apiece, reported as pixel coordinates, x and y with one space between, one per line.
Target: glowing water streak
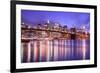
72 48
55 50
40 56
29 52
48 50
51 50
84 49
65 47
35 51
22 50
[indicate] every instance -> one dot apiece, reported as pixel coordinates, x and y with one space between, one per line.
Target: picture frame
23 60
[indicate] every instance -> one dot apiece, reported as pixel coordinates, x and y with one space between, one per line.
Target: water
55 50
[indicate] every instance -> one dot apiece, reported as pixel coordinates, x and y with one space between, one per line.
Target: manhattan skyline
71 19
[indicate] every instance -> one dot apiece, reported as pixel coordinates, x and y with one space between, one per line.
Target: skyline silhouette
71 19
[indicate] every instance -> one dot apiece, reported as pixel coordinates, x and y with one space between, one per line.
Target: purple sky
70 19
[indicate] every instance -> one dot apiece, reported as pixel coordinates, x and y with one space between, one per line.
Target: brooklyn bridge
53 32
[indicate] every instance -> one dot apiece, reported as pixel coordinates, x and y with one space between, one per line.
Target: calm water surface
55 50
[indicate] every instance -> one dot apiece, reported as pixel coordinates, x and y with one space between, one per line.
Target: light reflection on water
55 50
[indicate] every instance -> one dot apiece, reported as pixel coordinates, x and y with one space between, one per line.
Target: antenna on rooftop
48 21
23 23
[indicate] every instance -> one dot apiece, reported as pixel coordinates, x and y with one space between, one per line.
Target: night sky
71 19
